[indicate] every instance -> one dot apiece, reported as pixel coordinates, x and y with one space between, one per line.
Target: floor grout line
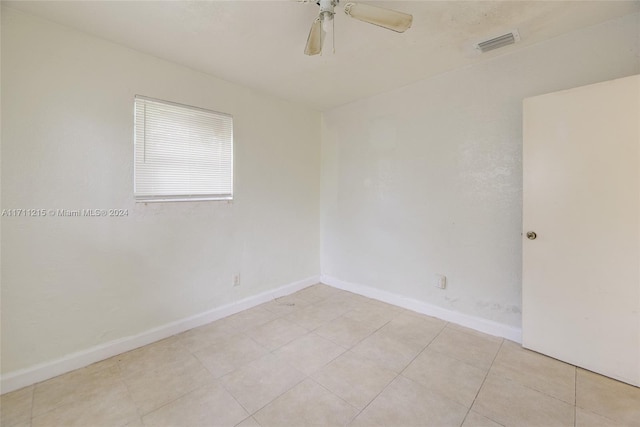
529 387
424 348
398 374
483 381
330 304
310 377
140 415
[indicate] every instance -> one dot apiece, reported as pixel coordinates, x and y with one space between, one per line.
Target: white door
581 270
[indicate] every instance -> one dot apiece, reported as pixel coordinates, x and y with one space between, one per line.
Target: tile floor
326 357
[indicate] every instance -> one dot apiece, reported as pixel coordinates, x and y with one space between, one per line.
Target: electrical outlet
236 279
440 281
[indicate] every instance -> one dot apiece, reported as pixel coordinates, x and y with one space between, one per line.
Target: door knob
531 235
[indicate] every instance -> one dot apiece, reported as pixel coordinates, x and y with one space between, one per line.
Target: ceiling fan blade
387 18
314 41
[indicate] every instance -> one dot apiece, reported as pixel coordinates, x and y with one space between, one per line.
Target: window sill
185 199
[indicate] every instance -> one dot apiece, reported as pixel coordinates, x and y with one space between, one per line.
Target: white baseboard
44 371
479 324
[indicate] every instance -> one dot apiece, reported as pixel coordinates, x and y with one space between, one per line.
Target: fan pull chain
322 37
333 34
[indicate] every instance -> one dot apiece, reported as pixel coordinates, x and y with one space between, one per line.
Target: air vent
498 42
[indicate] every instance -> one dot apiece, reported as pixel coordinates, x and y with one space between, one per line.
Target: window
182 152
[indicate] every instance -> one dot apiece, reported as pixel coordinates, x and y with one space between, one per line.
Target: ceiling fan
386 18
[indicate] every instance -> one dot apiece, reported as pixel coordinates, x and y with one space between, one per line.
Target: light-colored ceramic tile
111 407
220 359
387 350
152 389
384 305
206 335
414 328
209 405
450 377
109 363
280 308
335 307
589 419
316 315
307 404
406 403
354 378
309 353
372 315
249 422
345 331
607 397
166 378
316 293
15 407
250 318
135 423
347 301
153 356
476 420
472 349
512 404
276 333
536 371
304 296
478 334
77 385
287 304
307 295
258 383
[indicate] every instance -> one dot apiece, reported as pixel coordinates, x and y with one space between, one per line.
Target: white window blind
181 152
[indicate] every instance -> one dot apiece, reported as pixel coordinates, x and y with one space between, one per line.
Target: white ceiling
260 44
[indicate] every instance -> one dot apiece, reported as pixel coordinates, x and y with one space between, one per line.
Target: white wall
421 180
69 284
427 179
